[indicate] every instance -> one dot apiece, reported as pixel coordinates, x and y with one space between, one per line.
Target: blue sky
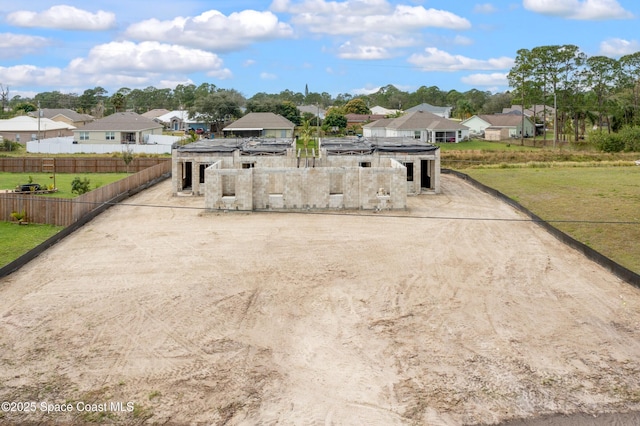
352 46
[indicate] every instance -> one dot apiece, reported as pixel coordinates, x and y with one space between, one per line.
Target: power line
354 214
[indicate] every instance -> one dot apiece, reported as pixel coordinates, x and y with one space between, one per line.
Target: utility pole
39 115
555 119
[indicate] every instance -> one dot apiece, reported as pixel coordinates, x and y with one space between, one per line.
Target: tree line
587 92
219 103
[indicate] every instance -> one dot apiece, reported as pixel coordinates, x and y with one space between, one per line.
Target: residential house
155 113
422 125
378 110
25 128
261 125
315 110
118 128
444 112
359 120
497 127
64 115
179 120
536 110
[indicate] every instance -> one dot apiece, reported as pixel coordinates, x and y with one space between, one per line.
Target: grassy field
18 239
481 153
599 206
63 181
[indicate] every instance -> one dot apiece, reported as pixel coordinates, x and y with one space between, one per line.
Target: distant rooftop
247 146
345 146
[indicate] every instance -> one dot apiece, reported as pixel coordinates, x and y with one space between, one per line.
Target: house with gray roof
315 110
178 120
25 128
262 125
444 112
500 126
421 125
64 115
118 128
538 111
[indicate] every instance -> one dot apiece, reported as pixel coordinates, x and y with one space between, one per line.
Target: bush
627 139
631 138
80 186
8 145
606 142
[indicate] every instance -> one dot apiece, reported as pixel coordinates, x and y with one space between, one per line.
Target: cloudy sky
344 46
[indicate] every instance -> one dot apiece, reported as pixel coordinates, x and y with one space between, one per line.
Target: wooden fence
79 164
64 212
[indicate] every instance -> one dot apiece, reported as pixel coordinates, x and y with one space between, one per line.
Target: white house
179 120
422 125
444 112
499 126
378 110
260 124
118 128
25 128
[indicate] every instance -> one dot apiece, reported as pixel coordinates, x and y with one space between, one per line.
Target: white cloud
249 63
352 51
349 7
462 40
579 9
213 30
30 75
268 76
484 8
147 56
15 45
616 47
435 59
365 90
491 80
402 19
63 17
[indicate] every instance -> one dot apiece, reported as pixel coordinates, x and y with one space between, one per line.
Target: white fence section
66 146
162 139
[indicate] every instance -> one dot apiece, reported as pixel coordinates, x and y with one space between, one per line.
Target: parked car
28 187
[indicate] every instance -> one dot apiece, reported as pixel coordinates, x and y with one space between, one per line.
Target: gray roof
246 146
418 120
52 113
430 108
503 120
312 109
155 113
260 121
539 109
121 122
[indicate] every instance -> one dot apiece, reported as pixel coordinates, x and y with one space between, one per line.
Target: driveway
457 311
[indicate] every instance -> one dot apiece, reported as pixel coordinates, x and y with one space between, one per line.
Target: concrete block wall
214 194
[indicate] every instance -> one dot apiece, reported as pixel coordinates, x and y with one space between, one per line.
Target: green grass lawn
585 196
63 181
19 239
16 239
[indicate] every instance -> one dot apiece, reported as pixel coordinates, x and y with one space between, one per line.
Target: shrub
80 186
19 216
604 142
631 138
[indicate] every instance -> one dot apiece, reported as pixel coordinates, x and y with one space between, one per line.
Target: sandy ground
440 315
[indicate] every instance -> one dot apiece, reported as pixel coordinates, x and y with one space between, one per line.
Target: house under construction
258 174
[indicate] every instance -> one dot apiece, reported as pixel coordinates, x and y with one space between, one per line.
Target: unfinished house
268 174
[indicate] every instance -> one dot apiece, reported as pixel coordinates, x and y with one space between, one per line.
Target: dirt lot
440 315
